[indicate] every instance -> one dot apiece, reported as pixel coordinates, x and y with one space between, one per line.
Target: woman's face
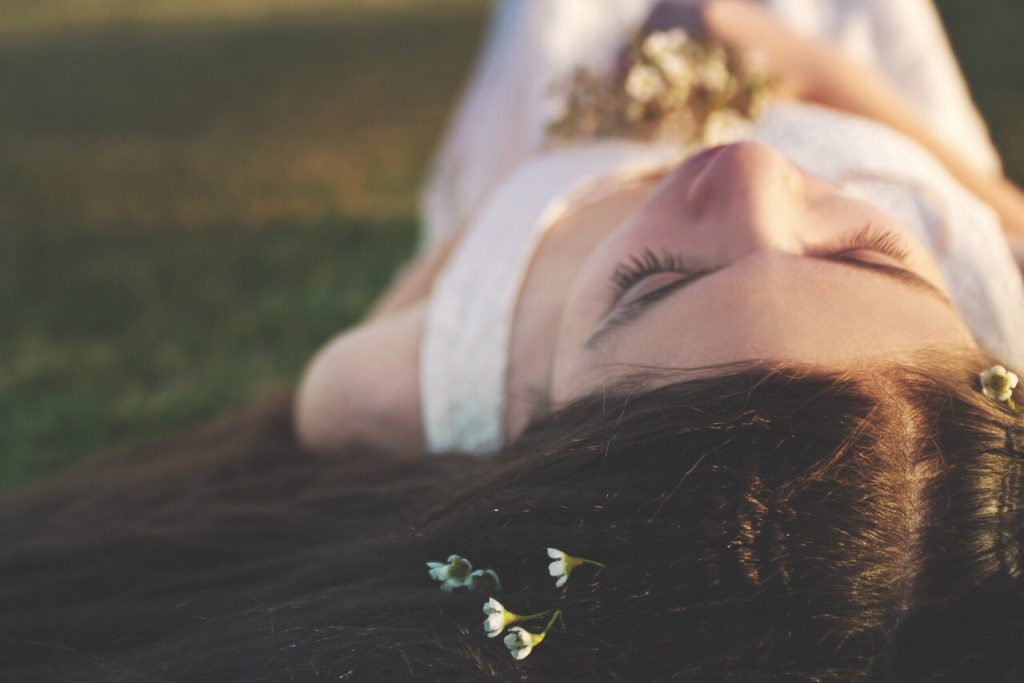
741 255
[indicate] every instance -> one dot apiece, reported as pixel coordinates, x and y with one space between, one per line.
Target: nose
747 194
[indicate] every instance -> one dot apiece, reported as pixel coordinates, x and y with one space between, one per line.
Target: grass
58 16
194 195
188 209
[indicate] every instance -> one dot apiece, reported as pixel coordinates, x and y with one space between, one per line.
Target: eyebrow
635 310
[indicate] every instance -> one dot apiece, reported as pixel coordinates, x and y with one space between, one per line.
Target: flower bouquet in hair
673 88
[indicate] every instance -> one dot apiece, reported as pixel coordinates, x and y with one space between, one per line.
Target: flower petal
522 653
492 606
494 625
557 568
484 580
555 553
561 581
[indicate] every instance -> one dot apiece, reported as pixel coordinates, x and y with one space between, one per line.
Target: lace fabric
464 356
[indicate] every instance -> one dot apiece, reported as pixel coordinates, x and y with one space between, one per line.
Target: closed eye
866 240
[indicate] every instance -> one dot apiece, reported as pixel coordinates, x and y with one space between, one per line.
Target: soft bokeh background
195 194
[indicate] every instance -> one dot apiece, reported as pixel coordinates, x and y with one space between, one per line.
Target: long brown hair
769 523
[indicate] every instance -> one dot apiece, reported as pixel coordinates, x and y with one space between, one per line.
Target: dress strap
465 347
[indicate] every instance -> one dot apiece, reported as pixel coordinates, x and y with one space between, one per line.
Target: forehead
787 308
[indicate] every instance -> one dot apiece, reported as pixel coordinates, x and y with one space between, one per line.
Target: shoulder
362 388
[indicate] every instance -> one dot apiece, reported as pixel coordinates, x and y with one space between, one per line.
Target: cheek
592 292
585 307
568 378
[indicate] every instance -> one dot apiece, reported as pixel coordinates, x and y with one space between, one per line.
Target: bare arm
362 389
414 284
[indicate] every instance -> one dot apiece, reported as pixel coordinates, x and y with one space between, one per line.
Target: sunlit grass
188 210
295 119
124 334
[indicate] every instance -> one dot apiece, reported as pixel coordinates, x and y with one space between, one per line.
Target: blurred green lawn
195 195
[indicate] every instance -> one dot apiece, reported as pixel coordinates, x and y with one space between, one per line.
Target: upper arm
413 286
362 389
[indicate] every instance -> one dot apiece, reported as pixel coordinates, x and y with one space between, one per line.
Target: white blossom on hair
455 573
498 617
997 382
484 580
520 642
564 564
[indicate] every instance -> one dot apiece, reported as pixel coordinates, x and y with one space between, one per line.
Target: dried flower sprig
520 642
675 88
564 564
498 617
997 382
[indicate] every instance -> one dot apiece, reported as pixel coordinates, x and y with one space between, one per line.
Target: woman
521 316
800 488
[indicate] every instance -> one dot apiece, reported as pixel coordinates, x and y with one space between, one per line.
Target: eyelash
868 238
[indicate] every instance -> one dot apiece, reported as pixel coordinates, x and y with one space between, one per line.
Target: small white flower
714 73
497 618
560 567
484 580
997 382
564 564
520 642
660 44
679 73
453 574
644 83
724 127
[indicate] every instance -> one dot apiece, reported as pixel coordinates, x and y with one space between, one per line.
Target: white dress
495 174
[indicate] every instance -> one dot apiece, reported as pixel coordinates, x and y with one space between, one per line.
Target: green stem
527 617
599 564
554 616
